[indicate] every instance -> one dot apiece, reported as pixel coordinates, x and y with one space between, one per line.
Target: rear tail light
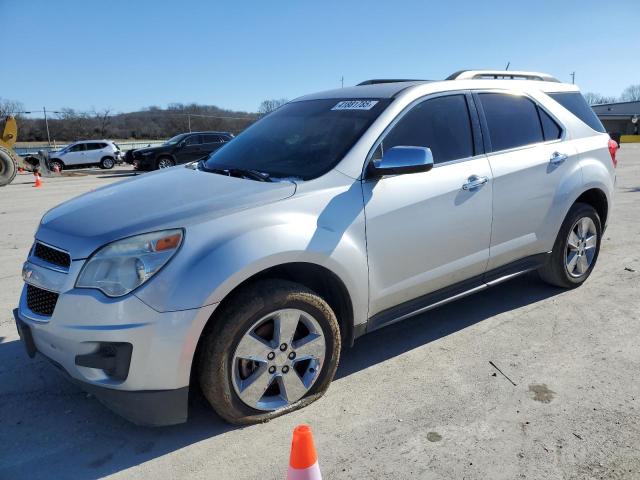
613 148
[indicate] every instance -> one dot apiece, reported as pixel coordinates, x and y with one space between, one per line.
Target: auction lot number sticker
355 105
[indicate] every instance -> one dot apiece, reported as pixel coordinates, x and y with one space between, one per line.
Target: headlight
122 266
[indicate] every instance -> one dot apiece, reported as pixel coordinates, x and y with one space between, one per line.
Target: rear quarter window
576 104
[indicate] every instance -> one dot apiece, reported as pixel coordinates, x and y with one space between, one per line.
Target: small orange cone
20 170
303 462
38 183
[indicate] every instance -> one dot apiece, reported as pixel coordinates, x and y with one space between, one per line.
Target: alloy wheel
278 359
581 247
165 163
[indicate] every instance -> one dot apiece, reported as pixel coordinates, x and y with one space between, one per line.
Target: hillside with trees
153 122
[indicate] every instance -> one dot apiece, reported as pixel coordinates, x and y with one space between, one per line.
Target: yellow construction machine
10 161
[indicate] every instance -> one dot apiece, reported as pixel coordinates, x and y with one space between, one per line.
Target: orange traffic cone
20 170
38 183
303 462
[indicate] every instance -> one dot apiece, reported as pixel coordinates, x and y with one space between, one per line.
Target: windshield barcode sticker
355 105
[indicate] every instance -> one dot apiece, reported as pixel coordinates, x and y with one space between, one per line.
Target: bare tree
271 105
596 98
104 120
10 107
631 93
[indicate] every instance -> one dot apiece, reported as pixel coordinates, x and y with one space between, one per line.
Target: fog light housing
114 358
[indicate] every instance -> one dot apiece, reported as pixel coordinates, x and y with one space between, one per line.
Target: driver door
430 230
191 149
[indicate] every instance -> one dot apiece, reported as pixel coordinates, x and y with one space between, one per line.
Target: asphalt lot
418 399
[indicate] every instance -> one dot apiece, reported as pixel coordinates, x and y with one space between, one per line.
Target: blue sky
125 55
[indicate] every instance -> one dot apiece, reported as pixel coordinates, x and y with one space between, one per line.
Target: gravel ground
419 399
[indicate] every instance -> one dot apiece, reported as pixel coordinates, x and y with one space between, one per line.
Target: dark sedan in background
182 148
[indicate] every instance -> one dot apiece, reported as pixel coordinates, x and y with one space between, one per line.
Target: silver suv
337 214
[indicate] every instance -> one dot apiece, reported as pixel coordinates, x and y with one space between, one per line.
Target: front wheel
165 162
274 348
55 165
576 248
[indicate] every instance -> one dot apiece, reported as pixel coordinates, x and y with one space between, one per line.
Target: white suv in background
103 153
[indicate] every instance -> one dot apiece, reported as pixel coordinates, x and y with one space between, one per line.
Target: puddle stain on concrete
541 393
434 437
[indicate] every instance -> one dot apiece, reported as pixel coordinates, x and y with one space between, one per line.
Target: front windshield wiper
235 171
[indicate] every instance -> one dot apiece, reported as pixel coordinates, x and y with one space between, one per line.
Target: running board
454 292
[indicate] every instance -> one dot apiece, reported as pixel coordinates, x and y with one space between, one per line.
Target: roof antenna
507 67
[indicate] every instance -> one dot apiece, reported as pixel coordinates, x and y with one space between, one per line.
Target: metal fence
124 146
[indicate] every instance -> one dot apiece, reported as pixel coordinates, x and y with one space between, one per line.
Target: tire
164 162
8 166
566 267
107 163
54 162
221 371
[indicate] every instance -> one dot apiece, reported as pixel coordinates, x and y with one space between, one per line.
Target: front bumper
154 388
143 407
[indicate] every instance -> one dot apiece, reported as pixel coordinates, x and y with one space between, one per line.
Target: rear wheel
576 248
274 348
165 162
107 163
8 166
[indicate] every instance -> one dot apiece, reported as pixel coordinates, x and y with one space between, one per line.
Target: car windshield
300 140
176 139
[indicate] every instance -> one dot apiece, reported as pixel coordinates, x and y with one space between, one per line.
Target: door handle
474 181
557 158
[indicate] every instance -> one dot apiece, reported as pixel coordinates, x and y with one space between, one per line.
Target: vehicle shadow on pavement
49 428
388 342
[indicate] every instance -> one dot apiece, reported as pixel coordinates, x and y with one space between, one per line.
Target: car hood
171 198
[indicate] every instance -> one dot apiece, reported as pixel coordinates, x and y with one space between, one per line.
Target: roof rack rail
375 81
501 75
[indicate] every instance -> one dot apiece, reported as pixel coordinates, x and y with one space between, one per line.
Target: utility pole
189 118
573 77
342 81
46 122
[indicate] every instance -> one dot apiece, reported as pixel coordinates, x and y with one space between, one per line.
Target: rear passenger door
94 152
429 230
530 161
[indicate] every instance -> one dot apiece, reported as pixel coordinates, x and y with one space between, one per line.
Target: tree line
629 94
67 124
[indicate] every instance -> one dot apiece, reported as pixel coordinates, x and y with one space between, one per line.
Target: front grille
40 301
52 255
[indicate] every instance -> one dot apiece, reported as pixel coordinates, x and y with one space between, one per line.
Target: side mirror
182 144
401 160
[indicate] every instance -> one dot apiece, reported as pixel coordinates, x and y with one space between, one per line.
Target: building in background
620 118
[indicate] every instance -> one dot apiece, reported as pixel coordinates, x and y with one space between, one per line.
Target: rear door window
441 124
576 104
512 120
